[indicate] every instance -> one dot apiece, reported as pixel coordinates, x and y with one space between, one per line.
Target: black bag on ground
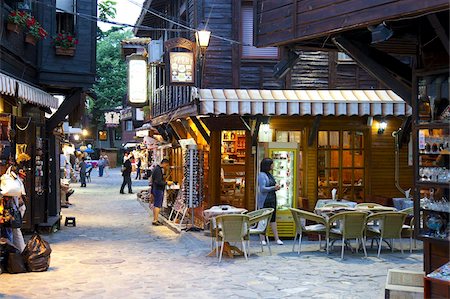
37 254
15 263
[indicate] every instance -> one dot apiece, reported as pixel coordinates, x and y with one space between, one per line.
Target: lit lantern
137 80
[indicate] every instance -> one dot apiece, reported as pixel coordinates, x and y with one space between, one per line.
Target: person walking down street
138 169
83 167
101 166
106 165
158 186
126 174
267 197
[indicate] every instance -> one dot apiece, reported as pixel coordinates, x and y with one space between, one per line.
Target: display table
437 283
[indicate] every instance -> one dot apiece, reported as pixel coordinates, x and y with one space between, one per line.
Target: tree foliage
107 9
111 84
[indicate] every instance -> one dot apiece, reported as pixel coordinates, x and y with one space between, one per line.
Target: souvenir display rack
193 180
431 146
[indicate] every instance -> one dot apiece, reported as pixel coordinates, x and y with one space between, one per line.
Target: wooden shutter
248 50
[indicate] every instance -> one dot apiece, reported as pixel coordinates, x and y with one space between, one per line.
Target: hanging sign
112 119
137 80
181 62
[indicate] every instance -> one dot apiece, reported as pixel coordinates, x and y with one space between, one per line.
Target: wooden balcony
281 22
166 99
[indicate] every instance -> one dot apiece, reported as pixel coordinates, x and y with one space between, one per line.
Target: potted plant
16 20
35 31
65 44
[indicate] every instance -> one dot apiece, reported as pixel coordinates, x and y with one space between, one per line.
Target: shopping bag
15 263
37 254
10 184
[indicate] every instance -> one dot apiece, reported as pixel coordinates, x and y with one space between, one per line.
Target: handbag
10 184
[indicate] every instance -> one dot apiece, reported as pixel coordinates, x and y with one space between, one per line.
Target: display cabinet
432 171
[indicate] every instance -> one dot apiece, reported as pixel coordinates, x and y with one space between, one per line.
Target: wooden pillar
215 161
250 185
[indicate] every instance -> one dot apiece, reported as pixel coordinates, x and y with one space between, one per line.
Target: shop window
248 50
103 135
342 57
129 125
65 16
340 164
233 167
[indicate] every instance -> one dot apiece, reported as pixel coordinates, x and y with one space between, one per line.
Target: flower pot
65 51
14 28
30 39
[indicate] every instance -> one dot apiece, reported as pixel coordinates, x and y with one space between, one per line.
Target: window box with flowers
65 44
35 31
16 21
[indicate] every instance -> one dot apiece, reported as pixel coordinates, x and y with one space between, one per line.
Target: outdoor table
326 211
322 202
210 215
402 203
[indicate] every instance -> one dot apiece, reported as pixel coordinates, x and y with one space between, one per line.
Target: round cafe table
210 215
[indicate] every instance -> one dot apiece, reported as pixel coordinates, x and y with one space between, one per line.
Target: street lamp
202 37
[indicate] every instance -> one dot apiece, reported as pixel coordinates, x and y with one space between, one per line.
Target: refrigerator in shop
284 156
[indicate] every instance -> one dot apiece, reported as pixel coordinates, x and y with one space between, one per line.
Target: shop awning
300 102
26 92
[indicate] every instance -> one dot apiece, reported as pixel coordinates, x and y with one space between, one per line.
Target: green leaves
111 84
107 9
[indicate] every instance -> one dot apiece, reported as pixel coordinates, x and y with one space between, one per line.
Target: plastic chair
408 229
389 227
259 224
232 228
300 217
351 226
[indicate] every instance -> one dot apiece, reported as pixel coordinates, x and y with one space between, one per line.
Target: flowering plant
65 40
18 17
35 29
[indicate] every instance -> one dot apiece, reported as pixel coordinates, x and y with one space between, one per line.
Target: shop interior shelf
433 125
433 184
443 241
435 211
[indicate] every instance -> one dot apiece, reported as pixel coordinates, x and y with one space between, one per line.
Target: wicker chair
259 224
232 228
389 226
300 217
351 225
368 205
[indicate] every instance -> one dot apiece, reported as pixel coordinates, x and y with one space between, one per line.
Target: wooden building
31 75
239 92
382 37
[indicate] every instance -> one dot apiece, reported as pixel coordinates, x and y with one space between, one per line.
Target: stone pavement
115 252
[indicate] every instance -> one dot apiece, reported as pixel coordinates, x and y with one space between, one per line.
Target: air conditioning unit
155 51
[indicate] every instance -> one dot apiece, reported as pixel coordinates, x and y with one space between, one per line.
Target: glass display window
340 164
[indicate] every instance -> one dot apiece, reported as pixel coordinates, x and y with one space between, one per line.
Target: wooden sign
181 65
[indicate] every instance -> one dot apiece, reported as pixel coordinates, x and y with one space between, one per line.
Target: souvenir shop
23 153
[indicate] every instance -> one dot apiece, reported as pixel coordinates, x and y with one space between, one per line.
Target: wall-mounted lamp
382 125
76 137
203 36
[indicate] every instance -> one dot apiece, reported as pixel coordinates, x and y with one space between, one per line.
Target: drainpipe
396 135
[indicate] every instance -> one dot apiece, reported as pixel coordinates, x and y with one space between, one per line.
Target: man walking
126 173
101 166
83 172
158 186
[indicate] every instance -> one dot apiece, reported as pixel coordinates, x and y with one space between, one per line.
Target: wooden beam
314 129
68 105
188 129
178 127
440 31
201 129
256 131
381 71
405 130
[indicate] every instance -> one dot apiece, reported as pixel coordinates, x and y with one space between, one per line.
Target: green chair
232 228
350 225
408 229
300 218
389 226
259 224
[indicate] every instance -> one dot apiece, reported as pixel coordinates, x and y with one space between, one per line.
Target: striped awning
26 92
300 102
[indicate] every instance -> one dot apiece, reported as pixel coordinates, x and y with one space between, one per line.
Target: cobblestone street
115 252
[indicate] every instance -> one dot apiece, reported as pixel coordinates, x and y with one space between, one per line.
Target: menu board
182 67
